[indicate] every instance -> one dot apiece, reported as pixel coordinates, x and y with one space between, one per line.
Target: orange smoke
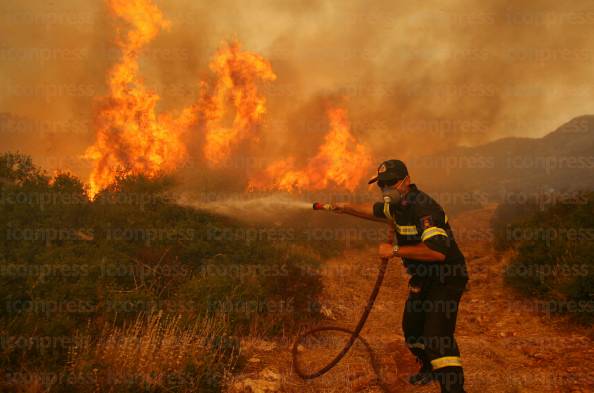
130 136
340 162
237 76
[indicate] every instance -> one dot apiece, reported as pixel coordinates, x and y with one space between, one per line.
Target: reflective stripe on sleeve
433 231
446 361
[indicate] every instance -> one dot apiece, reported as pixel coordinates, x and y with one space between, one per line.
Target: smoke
415 77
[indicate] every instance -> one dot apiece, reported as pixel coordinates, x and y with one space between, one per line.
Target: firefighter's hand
386 250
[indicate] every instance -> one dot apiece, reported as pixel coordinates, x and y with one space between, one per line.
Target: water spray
249 207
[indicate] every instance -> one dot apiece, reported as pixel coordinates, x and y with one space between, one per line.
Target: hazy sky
415 76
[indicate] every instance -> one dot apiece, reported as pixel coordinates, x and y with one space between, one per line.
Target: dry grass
155 353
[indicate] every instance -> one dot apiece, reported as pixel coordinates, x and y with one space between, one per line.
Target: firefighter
437 270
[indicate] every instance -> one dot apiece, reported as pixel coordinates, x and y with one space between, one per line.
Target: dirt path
506 345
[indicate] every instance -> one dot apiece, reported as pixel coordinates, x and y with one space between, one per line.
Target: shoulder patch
426 222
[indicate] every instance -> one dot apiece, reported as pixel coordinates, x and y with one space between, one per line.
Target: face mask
392 195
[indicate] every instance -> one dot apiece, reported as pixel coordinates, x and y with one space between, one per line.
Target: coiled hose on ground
354 333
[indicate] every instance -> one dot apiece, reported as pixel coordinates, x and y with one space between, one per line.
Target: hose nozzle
322 206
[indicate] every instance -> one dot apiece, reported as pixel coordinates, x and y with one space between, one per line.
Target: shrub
552 258
71 264
156 353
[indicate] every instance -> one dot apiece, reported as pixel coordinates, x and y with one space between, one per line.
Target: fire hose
355 333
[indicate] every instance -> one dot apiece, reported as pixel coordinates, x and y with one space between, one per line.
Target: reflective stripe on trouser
446 361
430 318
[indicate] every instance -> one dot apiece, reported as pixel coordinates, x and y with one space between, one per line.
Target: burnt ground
507 343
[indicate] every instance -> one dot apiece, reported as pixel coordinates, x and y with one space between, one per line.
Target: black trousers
429 322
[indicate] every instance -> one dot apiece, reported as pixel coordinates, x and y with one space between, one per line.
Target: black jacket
419 218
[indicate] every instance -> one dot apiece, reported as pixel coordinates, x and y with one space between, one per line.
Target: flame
237 84
130 136
340 162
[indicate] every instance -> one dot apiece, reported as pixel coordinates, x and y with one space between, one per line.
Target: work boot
424 376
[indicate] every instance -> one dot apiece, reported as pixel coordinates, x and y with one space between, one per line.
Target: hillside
562 160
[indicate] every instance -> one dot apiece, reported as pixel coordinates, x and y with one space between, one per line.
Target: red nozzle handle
323 206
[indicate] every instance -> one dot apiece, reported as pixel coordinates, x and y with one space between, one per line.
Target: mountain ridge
560 160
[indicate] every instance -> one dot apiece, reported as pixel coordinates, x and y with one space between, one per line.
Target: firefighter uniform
435 288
